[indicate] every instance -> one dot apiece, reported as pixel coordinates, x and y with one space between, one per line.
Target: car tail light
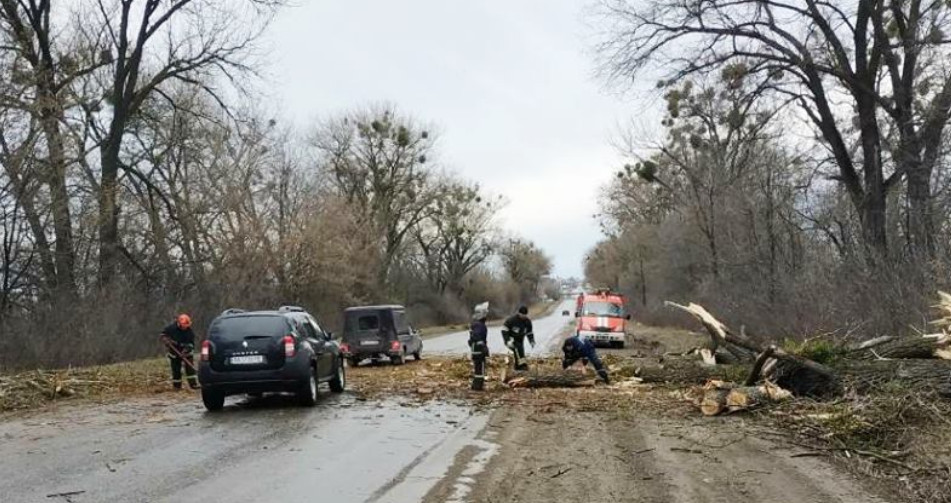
205 351
289 349
345 347
395 345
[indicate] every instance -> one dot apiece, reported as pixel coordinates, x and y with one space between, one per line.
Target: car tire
399 360
417 356
339 381
214 400
307 396
354 361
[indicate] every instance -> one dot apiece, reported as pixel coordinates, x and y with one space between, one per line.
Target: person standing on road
479 347
575 348
514 332
179 339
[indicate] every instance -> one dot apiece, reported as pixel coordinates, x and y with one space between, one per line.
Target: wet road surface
548 331
269 449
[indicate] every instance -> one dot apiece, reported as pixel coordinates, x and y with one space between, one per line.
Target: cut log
533 379
920 375
714 402
741 398
903 347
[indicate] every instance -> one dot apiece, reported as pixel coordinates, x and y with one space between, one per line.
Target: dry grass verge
897 436
37 388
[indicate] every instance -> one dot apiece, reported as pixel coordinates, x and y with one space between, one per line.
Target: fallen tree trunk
533 379
795 373
903 347
920 374
679 371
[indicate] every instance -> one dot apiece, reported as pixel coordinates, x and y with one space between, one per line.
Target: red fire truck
601 317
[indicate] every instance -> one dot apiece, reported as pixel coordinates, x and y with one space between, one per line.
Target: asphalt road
548 331
169 449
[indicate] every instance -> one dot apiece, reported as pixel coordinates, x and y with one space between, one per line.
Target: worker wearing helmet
576 348
179 339
478 345
514 332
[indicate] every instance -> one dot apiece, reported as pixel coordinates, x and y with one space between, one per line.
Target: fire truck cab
602 318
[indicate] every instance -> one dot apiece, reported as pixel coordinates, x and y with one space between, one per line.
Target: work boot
177 385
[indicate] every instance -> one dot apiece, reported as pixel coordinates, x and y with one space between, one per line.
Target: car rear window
359 322
237 328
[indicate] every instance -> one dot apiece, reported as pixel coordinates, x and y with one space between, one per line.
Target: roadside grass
897 436
37 388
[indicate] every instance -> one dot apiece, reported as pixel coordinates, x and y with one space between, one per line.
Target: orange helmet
184 321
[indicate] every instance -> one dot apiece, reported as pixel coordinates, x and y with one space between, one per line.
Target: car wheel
213 400
354 361
398 360
307 396
339 380
417 356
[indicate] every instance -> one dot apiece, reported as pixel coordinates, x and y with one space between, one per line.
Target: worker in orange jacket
179 339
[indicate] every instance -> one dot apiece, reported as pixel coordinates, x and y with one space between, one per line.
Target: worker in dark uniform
514 332
179 339
479 346
575 348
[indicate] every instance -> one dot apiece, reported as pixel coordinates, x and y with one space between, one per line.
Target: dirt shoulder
549 454
646 340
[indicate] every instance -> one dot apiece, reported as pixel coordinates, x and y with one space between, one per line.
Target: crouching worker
179 340
478 337
575 348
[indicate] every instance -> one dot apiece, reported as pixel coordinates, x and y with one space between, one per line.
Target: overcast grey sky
509 83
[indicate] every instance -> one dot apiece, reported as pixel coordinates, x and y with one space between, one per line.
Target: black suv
268 351
379 331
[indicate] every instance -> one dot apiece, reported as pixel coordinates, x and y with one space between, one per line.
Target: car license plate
247 360
368 343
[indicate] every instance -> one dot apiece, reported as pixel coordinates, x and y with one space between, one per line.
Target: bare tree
378 161
526 265
888 59
457 236
153 44
46 64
